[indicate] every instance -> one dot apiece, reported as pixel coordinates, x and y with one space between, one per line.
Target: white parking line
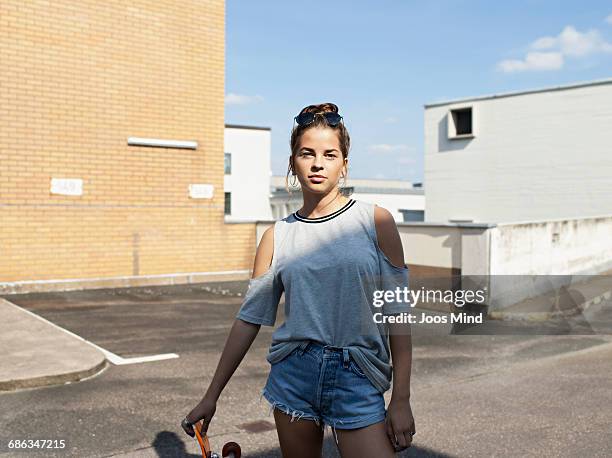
110 356
118 360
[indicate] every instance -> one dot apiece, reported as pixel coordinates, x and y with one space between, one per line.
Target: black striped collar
322 219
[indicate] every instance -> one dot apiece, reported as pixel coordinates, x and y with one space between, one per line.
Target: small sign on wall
67 186
201 191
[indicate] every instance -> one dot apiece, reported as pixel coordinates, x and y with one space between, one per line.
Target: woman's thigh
298 439
370 441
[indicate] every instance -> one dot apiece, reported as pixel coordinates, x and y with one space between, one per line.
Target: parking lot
526 394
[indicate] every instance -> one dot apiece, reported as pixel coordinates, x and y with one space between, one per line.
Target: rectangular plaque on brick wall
67 186
201 191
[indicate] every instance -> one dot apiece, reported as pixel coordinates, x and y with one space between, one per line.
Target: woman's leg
301 438
370 441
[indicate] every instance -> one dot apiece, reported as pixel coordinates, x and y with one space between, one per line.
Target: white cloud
391 120
609 19
240 99
387 148
569 43
544 43
573 43
533 61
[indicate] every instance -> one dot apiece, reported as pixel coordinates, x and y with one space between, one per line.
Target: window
413 215
461 122
228 203
348 191
227 163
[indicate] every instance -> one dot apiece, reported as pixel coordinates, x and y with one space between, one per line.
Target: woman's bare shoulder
389 240
264 253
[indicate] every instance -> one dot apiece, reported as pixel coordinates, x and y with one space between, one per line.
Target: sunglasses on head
332 119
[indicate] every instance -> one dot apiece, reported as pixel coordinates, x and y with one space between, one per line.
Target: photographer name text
423 318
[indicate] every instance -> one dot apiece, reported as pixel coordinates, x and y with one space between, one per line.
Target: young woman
330 361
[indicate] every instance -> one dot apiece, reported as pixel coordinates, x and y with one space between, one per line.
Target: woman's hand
203 411
400 423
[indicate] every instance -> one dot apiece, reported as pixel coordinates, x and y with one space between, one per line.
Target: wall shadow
444 144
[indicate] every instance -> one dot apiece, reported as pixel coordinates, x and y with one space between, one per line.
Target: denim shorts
323 383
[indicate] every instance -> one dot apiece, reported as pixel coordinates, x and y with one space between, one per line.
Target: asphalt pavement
530 390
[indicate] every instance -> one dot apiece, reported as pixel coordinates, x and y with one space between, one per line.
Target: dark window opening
228 203
462 119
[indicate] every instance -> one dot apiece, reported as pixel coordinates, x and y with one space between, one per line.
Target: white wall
557 247
529 259
393 202
249 181
542 155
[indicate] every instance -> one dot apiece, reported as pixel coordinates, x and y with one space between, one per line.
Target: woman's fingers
403 438
205 410
393 437
389 430
402 441
205 424
185 424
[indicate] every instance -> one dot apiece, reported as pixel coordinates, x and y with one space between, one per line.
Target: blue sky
381 61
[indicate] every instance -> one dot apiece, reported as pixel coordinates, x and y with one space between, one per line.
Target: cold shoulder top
329 269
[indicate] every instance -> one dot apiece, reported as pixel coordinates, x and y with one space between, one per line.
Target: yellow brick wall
77 78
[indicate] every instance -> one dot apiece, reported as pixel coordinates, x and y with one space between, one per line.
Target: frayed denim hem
295 414
333 426
363 422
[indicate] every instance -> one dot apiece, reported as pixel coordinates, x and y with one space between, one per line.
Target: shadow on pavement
168 445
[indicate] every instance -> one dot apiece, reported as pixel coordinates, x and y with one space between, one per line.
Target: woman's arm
237 344
242 334
400 420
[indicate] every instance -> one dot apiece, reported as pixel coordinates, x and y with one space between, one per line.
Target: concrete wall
530 259
78 79
250 174
559 247
535 156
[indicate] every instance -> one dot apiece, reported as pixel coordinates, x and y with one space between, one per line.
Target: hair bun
327 107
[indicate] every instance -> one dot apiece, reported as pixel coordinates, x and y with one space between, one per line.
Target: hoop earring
294 184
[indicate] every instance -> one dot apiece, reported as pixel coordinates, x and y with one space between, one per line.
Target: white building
252 194
405 201
247 173
525 156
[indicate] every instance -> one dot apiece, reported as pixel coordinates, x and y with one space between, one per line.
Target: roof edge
529 91
241 126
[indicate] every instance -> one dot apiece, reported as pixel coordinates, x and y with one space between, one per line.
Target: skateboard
230 449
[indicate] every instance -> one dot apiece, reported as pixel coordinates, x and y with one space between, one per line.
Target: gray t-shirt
329 268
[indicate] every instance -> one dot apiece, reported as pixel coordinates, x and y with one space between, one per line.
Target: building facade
525 156
112 144
247 173
405 201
